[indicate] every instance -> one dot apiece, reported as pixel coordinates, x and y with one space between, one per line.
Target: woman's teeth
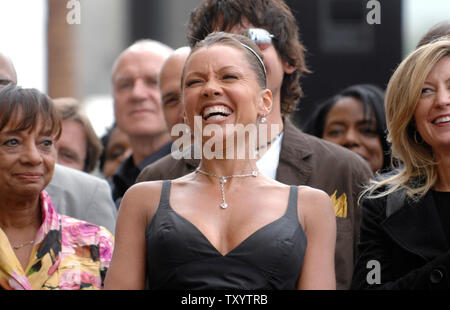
442 120
216 112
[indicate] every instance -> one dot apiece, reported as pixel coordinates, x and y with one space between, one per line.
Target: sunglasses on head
261 37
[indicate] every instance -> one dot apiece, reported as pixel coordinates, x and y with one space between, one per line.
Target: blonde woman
405 228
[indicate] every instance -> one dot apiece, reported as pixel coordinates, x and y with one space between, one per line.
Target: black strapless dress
180 257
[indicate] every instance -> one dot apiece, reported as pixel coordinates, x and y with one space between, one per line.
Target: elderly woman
355 118
224 226
40 249
405 228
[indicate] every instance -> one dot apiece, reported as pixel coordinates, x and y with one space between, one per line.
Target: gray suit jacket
83 196
306 160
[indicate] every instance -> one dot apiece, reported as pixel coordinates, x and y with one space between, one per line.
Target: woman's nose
443 97
351 139
211 89
31 155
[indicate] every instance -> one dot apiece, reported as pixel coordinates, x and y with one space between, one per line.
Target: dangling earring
263 120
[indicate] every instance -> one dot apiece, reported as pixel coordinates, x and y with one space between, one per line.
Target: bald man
170 87
138 110
73 193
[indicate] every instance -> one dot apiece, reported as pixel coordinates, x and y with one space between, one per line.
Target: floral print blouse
67 254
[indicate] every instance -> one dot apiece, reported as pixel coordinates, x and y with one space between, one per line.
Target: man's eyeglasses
261 37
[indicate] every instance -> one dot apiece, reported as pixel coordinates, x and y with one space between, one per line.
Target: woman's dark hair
274 16
372 98
26 108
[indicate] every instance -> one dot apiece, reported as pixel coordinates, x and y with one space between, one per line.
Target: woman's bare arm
320 227
127 269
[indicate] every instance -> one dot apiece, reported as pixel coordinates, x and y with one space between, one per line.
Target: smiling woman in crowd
40 249
355 119
405 227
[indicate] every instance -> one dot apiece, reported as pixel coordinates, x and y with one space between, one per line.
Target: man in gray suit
82 196
74 193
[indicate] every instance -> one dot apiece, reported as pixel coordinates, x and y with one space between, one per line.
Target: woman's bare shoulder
308 192
142 198
316 205
143 191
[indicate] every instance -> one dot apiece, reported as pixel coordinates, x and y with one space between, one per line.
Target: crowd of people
254 203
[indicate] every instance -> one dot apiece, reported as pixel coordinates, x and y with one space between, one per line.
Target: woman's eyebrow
13 132
337 123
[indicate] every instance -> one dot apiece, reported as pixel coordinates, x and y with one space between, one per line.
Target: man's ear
265 103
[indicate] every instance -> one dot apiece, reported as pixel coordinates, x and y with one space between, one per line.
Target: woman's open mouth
216 112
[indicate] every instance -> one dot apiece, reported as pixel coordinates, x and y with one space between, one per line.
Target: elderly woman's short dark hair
28 108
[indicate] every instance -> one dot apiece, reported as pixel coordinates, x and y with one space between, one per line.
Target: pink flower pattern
19 282
61 266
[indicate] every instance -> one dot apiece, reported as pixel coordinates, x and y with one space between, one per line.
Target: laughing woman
224 226
40 249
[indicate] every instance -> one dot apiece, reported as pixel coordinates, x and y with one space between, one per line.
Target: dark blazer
127 172
305 160
409 244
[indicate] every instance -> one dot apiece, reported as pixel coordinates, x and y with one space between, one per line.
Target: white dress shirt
268 163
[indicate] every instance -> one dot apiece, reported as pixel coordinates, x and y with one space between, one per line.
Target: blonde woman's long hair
415 168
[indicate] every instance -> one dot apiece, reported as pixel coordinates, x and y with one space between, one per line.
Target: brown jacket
306 160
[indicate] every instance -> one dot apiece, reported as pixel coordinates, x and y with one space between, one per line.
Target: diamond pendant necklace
223 180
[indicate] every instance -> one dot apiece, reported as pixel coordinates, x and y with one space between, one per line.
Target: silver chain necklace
223 180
